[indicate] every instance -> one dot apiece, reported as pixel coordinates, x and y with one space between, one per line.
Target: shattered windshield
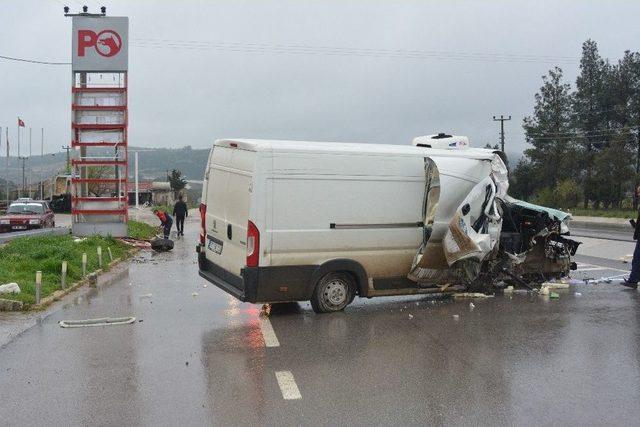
26 208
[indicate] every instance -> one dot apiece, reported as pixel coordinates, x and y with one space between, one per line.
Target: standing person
165 221
180 211
634 277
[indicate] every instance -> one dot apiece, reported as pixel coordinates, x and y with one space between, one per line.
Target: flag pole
30 167
7 138
41 182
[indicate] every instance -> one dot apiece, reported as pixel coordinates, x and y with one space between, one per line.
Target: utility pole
67 147
501 119
24 182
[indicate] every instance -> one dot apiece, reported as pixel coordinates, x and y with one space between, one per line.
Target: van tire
333 292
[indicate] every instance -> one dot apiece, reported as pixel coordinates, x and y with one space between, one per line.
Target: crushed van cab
325 222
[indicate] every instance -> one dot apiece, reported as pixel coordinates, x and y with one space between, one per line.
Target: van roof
271 145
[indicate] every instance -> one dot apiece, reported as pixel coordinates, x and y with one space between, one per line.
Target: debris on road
544 290
508 289
472 305
471 295
266 310
161 245
10 288
578 294
194 294
145 296
104 321
554 295
556 285
138 243
411 316
456 317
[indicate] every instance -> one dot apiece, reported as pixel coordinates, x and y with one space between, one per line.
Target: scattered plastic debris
411 316
544 290
471 295
554 295
472 305
508 289
10 288
79 240
104 321
194 294
145 296
556 285
456 317
205 285
578 294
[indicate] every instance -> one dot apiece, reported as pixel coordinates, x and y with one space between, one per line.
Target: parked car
27 214
295 221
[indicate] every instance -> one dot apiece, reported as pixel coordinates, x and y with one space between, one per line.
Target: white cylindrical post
63 275
84 264
136 179
99 256
110 254
38 285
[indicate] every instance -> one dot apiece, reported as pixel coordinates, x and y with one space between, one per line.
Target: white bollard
110 254
63 276
38 285
99 256
84 264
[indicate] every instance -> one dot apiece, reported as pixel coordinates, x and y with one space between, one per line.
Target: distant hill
153 163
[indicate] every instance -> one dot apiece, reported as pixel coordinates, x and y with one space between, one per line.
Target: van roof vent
442 141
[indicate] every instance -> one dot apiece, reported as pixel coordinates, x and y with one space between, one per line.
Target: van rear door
238 204
228 203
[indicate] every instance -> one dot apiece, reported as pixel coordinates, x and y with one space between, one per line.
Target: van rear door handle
229 231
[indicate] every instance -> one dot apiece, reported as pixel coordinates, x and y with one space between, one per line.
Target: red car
27 215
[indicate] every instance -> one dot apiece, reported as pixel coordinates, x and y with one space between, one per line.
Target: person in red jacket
165 221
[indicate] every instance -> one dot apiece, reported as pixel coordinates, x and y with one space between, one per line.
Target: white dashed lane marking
268 334
288 385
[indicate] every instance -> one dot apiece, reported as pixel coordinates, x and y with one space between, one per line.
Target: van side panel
381 196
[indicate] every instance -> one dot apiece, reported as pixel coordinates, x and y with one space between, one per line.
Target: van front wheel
333 293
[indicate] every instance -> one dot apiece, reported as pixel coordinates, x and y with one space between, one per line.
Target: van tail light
203 228
253 245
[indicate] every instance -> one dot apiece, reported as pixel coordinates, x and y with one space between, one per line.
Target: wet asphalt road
202 360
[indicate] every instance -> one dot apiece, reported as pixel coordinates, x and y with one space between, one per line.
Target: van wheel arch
353 268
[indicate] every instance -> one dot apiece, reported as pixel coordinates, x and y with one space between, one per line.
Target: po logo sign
106 43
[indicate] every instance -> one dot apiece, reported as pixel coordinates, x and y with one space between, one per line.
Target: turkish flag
20 122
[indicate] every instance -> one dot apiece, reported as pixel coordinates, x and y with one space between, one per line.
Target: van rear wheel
333 293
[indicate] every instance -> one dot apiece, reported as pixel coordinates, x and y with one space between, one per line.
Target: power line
33 61
342 51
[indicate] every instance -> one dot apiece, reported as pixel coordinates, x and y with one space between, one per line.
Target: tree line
584 141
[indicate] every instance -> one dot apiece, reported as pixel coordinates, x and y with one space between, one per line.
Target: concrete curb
601 225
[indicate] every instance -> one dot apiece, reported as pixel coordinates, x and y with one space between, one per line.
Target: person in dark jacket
165 221
180 212
634 277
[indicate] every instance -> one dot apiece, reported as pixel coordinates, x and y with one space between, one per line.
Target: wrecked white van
296 221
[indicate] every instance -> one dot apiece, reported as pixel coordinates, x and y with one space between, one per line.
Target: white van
296 220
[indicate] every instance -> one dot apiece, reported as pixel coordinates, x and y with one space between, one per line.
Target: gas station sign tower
99 198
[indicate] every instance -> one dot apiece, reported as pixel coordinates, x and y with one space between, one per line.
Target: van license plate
19 227
215 245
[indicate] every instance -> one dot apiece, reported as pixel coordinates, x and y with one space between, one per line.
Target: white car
297 220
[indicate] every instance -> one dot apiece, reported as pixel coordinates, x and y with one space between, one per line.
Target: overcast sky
366 71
